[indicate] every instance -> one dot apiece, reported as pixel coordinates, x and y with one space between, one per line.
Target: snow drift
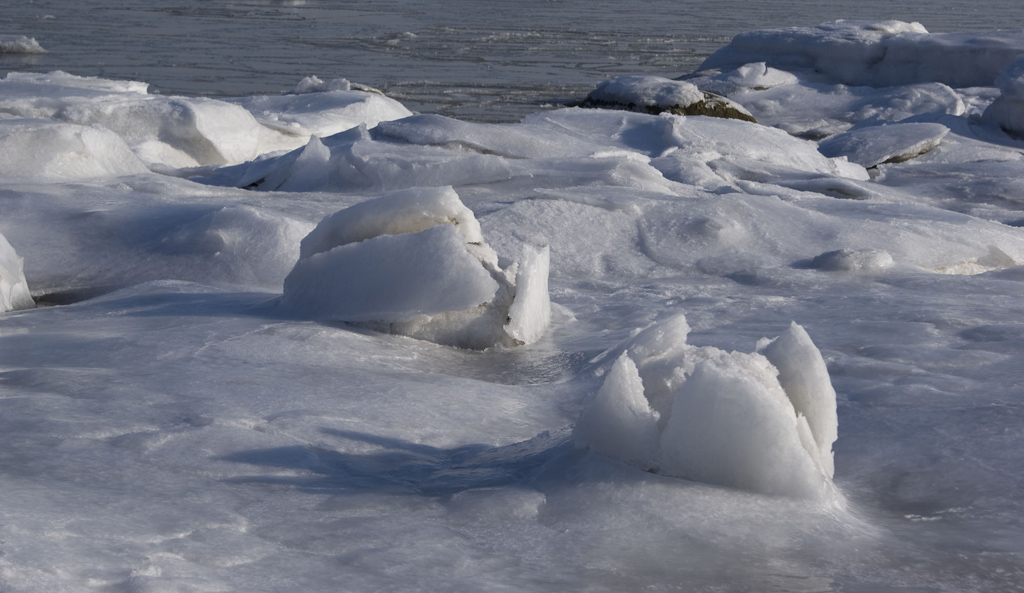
414 262
763 421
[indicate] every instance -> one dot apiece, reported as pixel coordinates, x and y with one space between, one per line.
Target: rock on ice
653 94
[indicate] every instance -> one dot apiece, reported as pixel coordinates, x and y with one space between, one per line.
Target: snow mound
762 421
54 151
653 94
887 53
14 292
894 143
414 262
20 44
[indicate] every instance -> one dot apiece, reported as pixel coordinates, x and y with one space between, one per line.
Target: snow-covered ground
730 357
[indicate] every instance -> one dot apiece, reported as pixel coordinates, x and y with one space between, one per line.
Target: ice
20 44
414 262
41 149
392 278
817 110
1007 111
183 132
763 423
881 53
173 416
407 211
360 162
14 293
804 378
530 312
319 108
619 422
874 145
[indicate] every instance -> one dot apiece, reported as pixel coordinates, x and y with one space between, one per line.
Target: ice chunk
893 143
756 76
804 378
360 162
58 151
14 292
530 312
404 211
20 44
320 108
733 425
759 421
173 131
167 131
619 422
390 278
414 262
887 53
313 84
1007 111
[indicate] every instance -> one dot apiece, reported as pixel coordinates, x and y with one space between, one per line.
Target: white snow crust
176 415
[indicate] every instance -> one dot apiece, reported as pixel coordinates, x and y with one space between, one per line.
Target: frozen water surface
750 363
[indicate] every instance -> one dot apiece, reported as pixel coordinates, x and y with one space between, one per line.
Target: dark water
495 60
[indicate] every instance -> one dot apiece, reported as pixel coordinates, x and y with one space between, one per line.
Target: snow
590 350
646 91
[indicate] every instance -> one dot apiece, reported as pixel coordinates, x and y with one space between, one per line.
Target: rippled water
494 61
